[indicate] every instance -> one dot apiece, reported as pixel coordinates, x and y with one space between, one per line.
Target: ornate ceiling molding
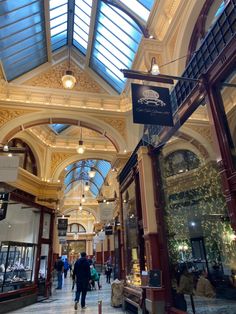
52 79
7 115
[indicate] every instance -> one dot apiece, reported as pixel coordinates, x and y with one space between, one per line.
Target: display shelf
17 263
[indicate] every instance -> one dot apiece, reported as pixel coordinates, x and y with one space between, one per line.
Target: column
155 298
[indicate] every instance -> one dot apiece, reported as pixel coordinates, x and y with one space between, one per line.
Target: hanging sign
151 105
62 224
108 230
4 197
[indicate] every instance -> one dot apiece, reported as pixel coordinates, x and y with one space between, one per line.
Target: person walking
66 267
59 266
83 277
108 271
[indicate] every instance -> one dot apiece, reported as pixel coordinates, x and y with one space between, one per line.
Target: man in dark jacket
82 276
59 266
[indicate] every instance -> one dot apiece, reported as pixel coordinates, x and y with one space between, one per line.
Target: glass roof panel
59 128
22 36
83 9
114 27
58 23
79 171
140 8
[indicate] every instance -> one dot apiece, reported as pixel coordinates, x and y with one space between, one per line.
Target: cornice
43 97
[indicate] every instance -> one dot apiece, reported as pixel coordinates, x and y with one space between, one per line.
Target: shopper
66 267
108 271
94 277
83 277
59 266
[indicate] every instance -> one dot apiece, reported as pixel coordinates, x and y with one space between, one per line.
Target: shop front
25 253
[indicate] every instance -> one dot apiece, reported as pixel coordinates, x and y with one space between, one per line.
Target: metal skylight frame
22 36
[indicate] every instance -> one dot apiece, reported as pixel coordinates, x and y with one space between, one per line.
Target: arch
191 13
88 209
202 24
194 141
179 161
11 128
70 226
26 138
87 155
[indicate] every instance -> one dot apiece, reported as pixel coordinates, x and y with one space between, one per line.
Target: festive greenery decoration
196 209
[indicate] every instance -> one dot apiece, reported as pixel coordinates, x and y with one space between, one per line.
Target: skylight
58 23
79 171
22 36
116 41
140 8
59 128
82 16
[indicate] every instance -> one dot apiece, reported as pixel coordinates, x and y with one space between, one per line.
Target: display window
16 265
226 96
132 231
18 246
201 242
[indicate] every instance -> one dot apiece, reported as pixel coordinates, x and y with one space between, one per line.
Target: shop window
180 161
228 114
134 243
200 239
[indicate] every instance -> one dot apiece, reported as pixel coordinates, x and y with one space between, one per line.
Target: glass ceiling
22 36
78 172
108 35
59 128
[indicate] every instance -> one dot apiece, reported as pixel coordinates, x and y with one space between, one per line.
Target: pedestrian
66 267
59 266
94 277
108 271
83 277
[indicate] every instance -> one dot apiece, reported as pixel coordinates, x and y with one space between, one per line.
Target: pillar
155 298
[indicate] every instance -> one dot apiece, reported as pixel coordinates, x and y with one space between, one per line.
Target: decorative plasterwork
57 158
52 79
205 132
7 115
164 17
116 123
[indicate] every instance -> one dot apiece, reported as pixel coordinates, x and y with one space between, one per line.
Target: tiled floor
62 301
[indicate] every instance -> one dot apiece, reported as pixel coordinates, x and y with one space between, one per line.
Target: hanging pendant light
91 173
83 198
68 80
154 67
80 148
80 207
87 187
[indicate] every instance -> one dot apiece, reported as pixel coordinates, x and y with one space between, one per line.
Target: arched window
206 19
27 159
180 161
76 228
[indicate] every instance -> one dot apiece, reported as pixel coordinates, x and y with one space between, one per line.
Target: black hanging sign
108 230
4 197
151 105
62 224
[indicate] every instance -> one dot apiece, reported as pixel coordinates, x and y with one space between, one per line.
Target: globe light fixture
6 148
87 187
91 173
68 80
80 148
154 67
83 198
80 207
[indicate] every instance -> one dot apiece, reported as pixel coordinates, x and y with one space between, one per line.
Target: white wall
20 225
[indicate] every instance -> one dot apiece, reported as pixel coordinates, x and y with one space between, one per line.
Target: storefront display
201 242
16 265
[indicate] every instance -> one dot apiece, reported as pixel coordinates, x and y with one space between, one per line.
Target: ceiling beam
47 29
